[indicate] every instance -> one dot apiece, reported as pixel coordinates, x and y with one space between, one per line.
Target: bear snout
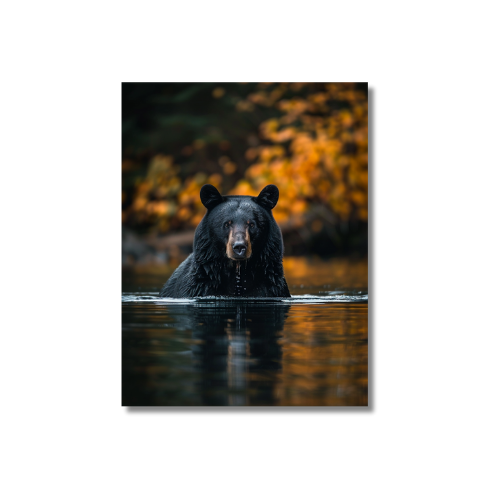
240 249
239 246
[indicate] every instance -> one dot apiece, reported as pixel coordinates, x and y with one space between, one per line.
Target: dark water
309 350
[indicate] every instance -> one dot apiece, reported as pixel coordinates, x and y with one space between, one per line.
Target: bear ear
209 195
268 197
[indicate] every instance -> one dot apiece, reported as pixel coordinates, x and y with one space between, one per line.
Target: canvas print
245 244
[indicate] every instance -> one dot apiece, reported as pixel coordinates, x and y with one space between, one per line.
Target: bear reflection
238 351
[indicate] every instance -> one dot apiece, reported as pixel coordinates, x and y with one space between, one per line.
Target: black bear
237 250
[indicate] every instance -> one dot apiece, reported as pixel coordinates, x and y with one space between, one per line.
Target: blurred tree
310 139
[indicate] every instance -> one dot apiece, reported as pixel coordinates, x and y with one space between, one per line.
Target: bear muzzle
239 246
240 249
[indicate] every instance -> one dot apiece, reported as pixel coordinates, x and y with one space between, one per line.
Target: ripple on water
326 298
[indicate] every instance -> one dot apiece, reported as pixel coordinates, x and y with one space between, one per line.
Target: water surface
311 349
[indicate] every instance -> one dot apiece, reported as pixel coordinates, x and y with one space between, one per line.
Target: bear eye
252 225
227 224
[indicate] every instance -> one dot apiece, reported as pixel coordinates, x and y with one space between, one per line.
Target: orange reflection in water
293 354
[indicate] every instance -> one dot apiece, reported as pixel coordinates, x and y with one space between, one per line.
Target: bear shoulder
176 286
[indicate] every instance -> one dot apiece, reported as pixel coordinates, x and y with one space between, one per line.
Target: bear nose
239 249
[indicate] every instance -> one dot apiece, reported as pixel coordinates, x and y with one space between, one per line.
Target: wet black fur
209 272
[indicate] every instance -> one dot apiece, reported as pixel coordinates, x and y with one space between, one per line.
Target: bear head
237 226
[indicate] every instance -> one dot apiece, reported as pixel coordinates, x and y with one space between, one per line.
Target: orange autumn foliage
314 148
318 154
